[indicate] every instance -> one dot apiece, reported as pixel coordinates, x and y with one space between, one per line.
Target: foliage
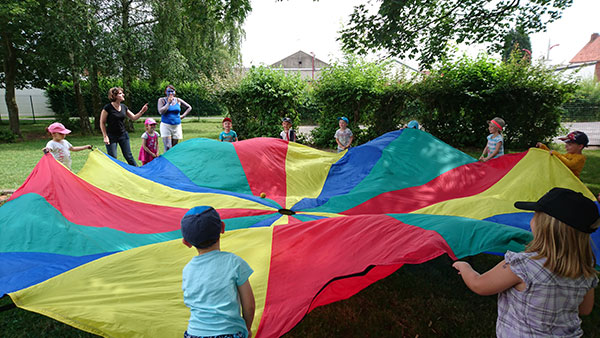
261 99
351 88
461 96
195 39
415 28
517 45
7 136
62 100
585 105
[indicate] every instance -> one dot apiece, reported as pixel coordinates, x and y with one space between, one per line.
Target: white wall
25 98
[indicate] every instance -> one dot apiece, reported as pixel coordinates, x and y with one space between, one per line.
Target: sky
277 29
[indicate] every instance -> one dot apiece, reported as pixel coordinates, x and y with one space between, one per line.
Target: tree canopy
423 29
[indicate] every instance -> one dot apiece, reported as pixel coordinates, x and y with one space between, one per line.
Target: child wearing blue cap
214 282
343 136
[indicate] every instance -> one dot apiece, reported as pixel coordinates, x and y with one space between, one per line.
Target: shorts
235 335
174 131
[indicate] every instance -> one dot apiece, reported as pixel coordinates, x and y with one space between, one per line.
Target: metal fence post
32 110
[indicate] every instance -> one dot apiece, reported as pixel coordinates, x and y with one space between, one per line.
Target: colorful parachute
101 250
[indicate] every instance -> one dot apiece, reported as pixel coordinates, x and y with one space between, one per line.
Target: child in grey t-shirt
343 136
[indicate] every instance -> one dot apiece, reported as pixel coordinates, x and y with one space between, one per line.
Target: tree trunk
84 120
95 91
127 61
10 75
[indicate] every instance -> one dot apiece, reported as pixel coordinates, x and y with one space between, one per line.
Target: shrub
460 97
197 94
259 101
353 89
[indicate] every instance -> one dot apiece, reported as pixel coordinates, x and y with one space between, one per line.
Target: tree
17 17
194 40
423 29
516 44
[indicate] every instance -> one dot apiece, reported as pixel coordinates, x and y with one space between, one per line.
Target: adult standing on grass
169 108
112 124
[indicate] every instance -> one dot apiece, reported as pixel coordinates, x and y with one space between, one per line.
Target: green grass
18 159
425 300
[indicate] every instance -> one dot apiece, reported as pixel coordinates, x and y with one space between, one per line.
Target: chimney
594 36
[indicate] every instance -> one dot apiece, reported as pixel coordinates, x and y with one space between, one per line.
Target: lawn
425 300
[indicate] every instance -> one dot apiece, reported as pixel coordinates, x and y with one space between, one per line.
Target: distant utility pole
549 48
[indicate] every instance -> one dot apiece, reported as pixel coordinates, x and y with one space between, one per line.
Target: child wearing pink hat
149 149
59 147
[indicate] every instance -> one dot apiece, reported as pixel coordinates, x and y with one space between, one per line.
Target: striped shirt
549 305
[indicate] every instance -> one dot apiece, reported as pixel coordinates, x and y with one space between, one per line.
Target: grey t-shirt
343 136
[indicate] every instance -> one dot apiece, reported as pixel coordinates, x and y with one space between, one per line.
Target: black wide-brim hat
568 206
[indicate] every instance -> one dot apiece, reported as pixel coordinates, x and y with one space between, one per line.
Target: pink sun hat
149 121
58 127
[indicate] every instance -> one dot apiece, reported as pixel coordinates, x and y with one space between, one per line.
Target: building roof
589 52
300 59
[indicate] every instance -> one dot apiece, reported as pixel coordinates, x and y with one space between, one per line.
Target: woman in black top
112 124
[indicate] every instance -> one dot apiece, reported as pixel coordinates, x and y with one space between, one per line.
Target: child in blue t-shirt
495 142
227 135
214 282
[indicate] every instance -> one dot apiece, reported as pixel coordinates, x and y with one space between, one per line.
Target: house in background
587 61
306 64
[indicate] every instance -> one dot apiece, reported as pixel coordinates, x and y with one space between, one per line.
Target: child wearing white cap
59 147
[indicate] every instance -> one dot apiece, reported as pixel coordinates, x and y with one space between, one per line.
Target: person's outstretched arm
248 305
80 148
139 114
496 280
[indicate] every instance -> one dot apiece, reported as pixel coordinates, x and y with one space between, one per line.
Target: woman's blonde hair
568 251
113 92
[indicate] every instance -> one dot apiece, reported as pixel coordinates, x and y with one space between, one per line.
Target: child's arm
482 157
541 146
490 156
145 146
350 141
585 308
80 148
248 305
496 280
574 163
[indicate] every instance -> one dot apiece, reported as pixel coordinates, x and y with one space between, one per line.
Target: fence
32 104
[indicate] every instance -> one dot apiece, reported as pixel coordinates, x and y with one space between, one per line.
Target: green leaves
261 99
424 29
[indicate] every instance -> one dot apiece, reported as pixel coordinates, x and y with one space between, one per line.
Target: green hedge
261 99
460 97
198 95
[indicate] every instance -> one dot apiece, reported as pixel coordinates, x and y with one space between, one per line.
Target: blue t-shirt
493 143
228 137
210 289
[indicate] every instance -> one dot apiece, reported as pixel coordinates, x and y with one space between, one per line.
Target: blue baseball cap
344 118
413 124
201 224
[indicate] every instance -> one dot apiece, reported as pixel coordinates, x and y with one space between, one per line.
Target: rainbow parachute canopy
101 250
